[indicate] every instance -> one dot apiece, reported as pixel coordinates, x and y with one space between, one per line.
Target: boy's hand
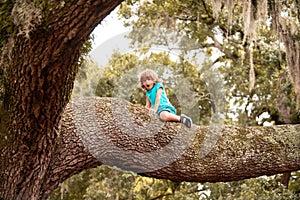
152 111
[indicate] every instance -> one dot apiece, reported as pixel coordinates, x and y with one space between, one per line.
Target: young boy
157 100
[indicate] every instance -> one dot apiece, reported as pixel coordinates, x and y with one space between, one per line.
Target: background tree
243 27
87 78
109 183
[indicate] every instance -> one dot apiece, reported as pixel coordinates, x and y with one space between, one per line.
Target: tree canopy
249 32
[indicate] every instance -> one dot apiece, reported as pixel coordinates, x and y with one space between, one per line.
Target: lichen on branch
26 16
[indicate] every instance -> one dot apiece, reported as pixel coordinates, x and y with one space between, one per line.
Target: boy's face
148 84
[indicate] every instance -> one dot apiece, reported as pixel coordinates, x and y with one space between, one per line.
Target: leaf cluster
266 188
110 183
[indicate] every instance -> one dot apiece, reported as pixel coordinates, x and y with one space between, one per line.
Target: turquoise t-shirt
164 103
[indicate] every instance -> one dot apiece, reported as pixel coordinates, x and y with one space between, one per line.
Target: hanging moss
284 27
7 27
26 15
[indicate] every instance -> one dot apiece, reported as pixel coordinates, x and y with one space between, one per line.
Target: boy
157 100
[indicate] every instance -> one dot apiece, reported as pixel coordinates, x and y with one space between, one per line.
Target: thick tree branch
120 134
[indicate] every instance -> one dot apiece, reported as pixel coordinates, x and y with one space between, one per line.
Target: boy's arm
148 104
157 99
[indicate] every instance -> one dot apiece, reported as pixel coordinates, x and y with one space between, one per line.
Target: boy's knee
163 115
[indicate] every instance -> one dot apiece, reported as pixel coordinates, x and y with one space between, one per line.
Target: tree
240 153
110 183
40 47
239 23
41 42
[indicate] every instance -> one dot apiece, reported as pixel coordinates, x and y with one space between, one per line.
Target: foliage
99 183
272 92
109 183
86 79
266 188
247 63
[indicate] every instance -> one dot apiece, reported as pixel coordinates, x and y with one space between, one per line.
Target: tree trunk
39 71
284 179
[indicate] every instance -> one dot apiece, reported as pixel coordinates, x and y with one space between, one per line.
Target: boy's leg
170 117
167 116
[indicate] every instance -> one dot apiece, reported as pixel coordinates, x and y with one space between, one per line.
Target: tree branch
121 134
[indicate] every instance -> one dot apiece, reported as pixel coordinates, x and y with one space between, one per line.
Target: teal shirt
164 103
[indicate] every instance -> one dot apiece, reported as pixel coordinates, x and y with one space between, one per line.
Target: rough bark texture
39 70
120 134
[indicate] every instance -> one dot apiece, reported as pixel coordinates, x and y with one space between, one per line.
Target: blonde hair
148 74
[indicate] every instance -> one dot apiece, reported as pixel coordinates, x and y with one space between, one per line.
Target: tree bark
39 70
117 133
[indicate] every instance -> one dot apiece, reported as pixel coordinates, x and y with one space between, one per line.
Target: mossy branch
121 134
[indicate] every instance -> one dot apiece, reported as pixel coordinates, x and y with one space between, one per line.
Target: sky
109 27
110 35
